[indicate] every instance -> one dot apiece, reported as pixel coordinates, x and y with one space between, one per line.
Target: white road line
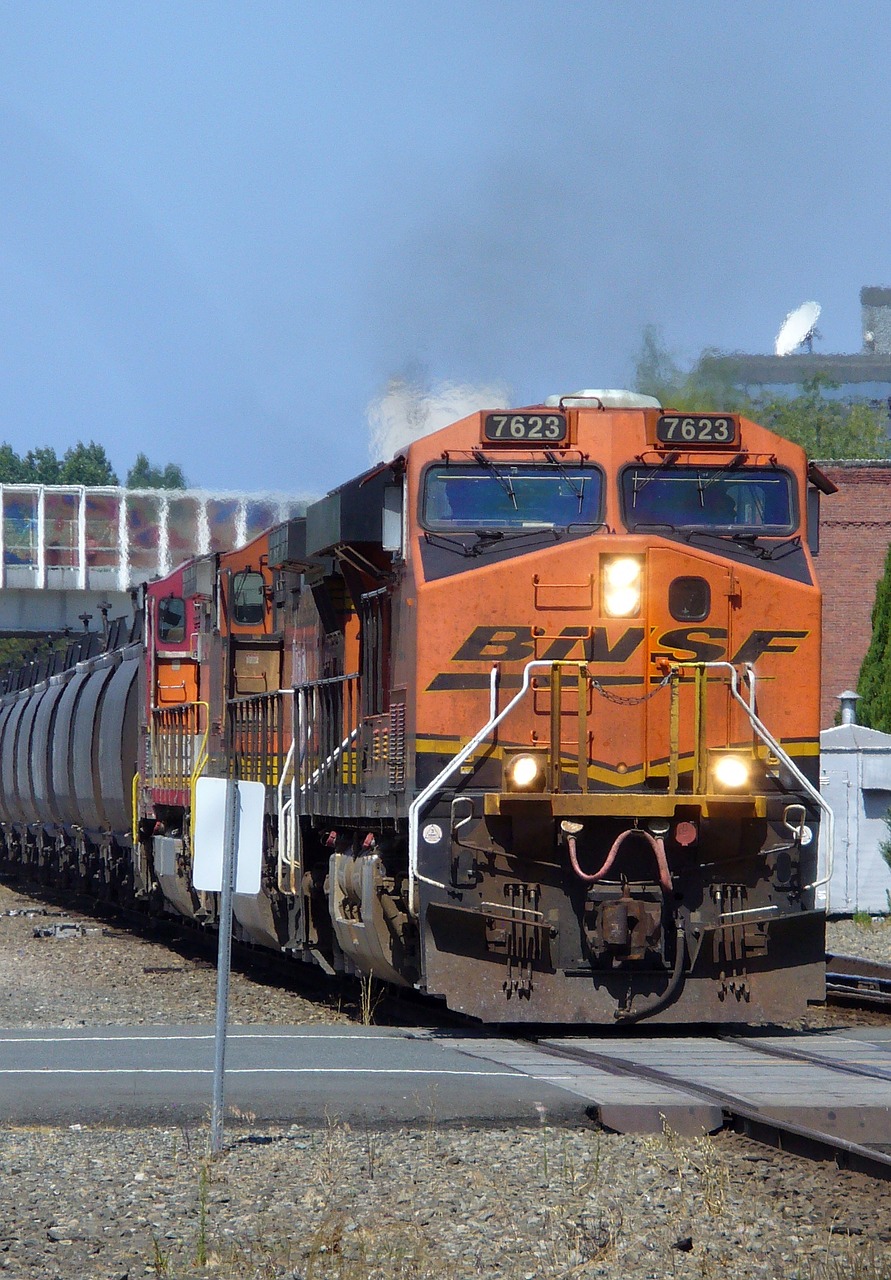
259 1071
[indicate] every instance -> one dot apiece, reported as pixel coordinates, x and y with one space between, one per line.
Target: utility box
855 779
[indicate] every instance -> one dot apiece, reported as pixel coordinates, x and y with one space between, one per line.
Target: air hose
674 984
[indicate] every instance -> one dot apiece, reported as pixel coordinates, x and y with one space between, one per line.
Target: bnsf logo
682 644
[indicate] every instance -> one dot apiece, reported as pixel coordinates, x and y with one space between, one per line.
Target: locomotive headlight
525 771
731 772
621 586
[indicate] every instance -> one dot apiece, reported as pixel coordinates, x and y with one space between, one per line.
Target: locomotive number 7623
701 429
525 426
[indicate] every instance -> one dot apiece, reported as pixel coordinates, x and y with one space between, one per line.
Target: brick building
855 531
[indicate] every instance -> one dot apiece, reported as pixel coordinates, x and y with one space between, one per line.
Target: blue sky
225 226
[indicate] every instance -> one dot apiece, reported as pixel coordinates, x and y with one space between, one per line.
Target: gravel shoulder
86 973
339 1203
868 937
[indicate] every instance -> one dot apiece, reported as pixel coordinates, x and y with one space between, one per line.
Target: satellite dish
797 328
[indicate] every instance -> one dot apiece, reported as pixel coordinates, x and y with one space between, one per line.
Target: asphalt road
388 1076
152 1075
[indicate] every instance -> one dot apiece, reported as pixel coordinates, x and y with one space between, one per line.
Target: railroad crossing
825 1088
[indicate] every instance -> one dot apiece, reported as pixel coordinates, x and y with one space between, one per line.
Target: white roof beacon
603 399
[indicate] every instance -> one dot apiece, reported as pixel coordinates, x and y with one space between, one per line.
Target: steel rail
852 980
791 1054
785 1135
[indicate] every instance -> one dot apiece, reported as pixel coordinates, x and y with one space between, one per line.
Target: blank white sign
208 824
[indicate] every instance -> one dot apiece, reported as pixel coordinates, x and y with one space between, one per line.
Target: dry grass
343 1203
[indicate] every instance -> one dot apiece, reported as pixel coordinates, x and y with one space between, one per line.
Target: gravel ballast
309 1203
869 938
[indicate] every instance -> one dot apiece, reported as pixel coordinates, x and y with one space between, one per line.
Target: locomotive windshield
750 500
497 495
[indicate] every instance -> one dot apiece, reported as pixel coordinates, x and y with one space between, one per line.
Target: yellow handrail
134 801
201 759
555 764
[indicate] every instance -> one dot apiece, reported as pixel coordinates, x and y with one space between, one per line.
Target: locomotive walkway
836 1083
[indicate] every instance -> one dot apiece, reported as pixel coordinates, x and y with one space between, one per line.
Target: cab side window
248 599
172 620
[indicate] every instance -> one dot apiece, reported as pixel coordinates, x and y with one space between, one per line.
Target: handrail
177 720
257 731
326 764
134 817
769 740
201 759
414 809
285 820
421 799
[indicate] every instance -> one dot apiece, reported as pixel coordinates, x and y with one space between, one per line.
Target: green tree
86 464
145 475
656 372
824 426
707 386
874 683
12 468
42 466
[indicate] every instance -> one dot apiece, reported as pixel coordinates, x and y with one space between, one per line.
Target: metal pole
224 960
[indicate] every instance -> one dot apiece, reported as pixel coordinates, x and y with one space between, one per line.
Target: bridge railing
72 537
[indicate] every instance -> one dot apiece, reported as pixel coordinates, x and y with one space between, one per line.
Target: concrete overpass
67 550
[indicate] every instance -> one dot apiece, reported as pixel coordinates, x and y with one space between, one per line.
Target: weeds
334 1158
341 1249
857 1261
370 996
160 1263
203 1194
696 1161
370 1150
249 1117
361 1212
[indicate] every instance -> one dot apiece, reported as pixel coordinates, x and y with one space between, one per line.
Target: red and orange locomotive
536 704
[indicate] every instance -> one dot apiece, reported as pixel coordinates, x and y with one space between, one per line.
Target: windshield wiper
735 462
503 480
485 539
640 485
746 541
578 488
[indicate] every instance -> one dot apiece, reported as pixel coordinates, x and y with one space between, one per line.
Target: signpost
228 857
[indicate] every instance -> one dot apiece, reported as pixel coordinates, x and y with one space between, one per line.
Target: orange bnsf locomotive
536 707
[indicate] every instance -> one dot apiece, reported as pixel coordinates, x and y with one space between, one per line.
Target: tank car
536 706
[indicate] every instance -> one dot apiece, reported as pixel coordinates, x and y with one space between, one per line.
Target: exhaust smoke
407 410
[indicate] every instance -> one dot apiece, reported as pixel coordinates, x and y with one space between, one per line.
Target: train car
558 735
68 744
214 703
536 705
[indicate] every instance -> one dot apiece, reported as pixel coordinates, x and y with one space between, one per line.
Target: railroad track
852 980
822 1107
747 1082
